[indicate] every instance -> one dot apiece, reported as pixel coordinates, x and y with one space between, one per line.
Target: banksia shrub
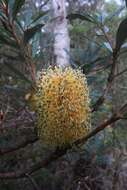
62 102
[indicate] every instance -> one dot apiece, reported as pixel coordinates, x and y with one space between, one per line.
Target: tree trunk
61 37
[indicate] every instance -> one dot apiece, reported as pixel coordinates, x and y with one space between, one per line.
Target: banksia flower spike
62 103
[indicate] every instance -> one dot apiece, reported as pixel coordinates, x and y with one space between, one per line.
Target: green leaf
121 34
2 16
80 16
4 40
38 16
30 32
17 72
6 1
116 13
19 26
17 7
126 2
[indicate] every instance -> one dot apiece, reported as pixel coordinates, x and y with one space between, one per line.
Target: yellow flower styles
62 105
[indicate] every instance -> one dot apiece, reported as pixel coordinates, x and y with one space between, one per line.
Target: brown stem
33 182
101 127
111 77
17 147
60 152
114 62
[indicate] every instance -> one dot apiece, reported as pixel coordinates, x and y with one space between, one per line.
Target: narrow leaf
79 16
126 3
30 32
16 71
17 7
38 16
115 13
6 2
3 16
19 25
5 41
121 34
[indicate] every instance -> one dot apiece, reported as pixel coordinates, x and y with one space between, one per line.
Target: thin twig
33 182
110 79
17 147
120 73
60 152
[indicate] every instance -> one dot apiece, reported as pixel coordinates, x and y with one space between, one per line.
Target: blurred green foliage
26 46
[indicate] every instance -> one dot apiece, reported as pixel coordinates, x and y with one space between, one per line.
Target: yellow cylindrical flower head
62 105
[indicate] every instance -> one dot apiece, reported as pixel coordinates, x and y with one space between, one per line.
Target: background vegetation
98 32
